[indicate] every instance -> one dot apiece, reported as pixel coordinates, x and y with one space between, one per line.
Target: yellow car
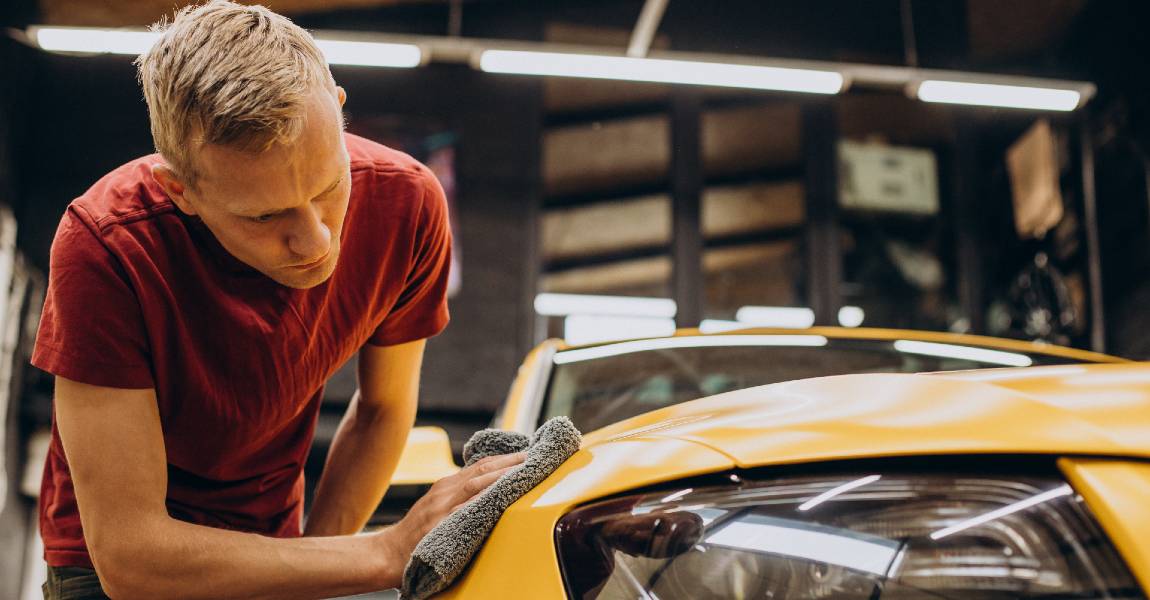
974 483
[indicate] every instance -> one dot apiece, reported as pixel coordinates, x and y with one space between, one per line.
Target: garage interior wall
16 513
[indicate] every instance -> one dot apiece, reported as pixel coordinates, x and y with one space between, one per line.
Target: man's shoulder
392 184
127 193
367 154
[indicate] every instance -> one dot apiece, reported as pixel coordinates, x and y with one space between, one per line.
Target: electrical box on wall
878 177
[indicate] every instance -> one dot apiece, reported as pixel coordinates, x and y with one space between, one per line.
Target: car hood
1102 409
1065 410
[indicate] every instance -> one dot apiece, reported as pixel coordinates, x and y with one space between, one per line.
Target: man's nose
311 238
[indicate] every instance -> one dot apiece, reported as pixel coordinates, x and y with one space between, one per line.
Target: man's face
280 212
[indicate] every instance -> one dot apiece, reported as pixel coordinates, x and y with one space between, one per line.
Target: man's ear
173 187
341 95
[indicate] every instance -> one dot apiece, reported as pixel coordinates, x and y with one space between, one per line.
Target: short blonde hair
228 74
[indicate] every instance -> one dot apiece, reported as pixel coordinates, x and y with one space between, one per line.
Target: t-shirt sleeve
91 329
421 309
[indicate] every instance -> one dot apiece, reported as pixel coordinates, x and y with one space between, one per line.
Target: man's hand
445 497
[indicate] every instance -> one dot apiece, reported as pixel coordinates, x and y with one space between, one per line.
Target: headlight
861 536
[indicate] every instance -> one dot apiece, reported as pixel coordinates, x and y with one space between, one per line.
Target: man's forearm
360 463
160 557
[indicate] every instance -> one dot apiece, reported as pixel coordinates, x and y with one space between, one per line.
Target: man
198 301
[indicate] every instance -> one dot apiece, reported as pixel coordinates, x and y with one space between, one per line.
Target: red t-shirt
142 296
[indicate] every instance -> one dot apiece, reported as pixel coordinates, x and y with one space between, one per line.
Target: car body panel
1041 410
1117 492
517 412
426 458
874 415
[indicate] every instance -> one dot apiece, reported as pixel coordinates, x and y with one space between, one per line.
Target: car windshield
601 385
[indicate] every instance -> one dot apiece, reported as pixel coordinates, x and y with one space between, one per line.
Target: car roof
1055 410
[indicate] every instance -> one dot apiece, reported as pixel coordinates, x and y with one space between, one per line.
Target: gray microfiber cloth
443 554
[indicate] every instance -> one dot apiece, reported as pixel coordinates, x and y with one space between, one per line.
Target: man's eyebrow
273 212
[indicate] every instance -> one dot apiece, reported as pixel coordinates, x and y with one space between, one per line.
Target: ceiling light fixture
851 316
1004 96
592 329
370 54
88 40
92 41
547 59
787 317
659 70
561 305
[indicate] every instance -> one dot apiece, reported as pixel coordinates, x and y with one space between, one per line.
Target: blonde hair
228 74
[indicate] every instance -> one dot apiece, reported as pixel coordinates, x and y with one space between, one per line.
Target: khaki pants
72 583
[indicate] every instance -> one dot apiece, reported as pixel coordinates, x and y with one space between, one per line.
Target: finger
477 484
494 463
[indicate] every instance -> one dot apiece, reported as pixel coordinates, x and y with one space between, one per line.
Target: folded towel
443 554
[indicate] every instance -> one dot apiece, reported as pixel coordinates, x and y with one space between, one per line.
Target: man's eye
261 218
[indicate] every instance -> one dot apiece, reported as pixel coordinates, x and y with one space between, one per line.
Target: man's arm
115 448
370 440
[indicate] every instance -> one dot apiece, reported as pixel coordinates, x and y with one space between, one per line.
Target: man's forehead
306 164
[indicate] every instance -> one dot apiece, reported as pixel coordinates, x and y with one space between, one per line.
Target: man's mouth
312 265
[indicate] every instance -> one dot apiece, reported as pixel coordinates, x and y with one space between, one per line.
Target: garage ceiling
1006 29
135 13
998 29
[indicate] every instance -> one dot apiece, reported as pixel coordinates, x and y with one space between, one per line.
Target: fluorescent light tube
661 71
370 54
1006 96
590 329
997 357
560 305
719 326
95 41
787 317
687 341
851 316
112 41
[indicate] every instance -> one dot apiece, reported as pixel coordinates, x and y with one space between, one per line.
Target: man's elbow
370 415
120 573
126 566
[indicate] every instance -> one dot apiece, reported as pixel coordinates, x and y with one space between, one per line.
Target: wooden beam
653 273
633 223
823 252
1090 223
966 227
600 157
687 208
